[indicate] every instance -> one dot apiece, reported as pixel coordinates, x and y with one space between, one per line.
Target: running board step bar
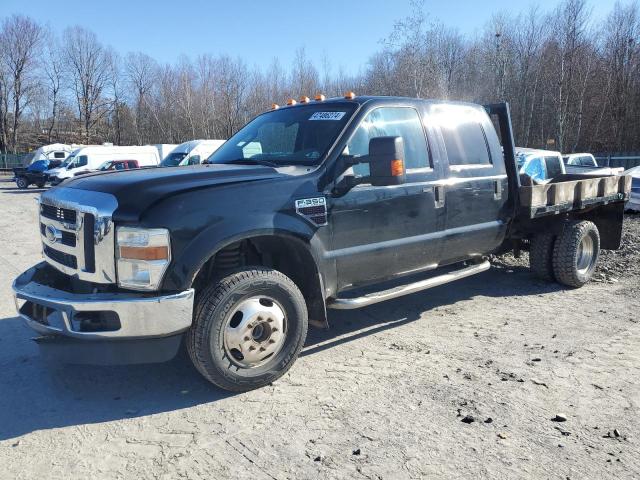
370 299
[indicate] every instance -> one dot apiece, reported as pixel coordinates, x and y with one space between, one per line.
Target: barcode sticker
334 116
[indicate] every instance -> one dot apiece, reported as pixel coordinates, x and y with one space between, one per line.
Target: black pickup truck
34 173
336 203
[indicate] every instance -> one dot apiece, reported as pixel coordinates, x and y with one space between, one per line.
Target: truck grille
57 213
60 257
68 238
77 233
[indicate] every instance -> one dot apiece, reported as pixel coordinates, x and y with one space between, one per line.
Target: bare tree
89 66
21 39
53 68
141 72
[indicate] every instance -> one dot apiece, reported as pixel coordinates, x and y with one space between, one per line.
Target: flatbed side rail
573 192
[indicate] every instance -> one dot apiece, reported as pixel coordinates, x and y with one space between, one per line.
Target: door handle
497 190
438 195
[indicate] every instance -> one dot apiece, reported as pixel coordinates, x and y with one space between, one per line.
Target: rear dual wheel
248 329
576 253
569 258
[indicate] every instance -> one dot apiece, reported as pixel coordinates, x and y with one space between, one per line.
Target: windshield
173 159
105 165
300 135
68 161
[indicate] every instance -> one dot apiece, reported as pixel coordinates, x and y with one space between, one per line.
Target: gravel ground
468 380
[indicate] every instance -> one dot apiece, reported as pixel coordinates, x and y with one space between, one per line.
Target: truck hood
137 190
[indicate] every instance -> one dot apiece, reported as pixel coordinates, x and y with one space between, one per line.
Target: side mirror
386 161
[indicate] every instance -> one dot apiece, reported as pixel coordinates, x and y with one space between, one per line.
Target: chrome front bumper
51 311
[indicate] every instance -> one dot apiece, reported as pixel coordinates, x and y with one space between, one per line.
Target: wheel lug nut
252 348
262 349
246 339
271 340
270 320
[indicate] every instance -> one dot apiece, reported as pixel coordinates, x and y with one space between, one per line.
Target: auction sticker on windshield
335 116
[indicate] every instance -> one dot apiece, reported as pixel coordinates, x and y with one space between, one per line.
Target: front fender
194 254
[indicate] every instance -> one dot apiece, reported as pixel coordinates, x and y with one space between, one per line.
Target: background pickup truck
585 163
34 173
337 203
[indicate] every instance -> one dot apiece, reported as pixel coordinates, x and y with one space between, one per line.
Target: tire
229 312
541 256
22 183
40 185
576 252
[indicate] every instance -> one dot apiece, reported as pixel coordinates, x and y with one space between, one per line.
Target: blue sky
346 31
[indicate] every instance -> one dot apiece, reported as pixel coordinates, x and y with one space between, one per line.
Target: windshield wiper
251 161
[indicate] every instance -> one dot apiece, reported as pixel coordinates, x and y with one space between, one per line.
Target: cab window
554 166
391 122
463 135
534 168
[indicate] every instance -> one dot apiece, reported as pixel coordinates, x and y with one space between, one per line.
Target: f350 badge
313 209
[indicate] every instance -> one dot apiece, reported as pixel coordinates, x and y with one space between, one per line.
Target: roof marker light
275 106
349 95
304 99
291 102
320 98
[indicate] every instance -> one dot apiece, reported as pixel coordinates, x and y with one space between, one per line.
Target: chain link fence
625 160
9 161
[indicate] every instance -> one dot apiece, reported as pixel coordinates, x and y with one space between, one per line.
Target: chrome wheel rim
586 254
254 332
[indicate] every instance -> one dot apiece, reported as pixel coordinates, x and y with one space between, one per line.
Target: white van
55 151
91 158
193 152
165 149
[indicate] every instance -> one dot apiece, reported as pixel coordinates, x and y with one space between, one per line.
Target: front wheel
575 253
22 183
248 329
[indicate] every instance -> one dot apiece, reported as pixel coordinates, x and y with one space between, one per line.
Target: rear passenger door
475 188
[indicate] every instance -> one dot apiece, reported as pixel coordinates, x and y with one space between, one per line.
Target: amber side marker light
349 95
397 168
144 253
275 106
291 101
304 100
320 98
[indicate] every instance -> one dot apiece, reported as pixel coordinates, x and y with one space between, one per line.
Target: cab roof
361 100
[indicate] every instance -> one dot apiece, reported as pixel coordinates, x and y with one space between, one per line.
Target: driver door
381 232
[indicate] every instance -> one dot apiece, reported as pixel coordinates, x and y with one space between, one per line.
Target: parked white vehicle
165 149
90 158
586 164
55 151
193 152
634 198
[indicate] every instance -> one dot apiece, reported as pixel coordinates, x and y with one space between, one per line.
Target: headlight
142 255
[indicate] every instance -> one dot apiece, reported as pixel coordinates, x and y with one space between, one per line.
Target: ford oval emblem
52 234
